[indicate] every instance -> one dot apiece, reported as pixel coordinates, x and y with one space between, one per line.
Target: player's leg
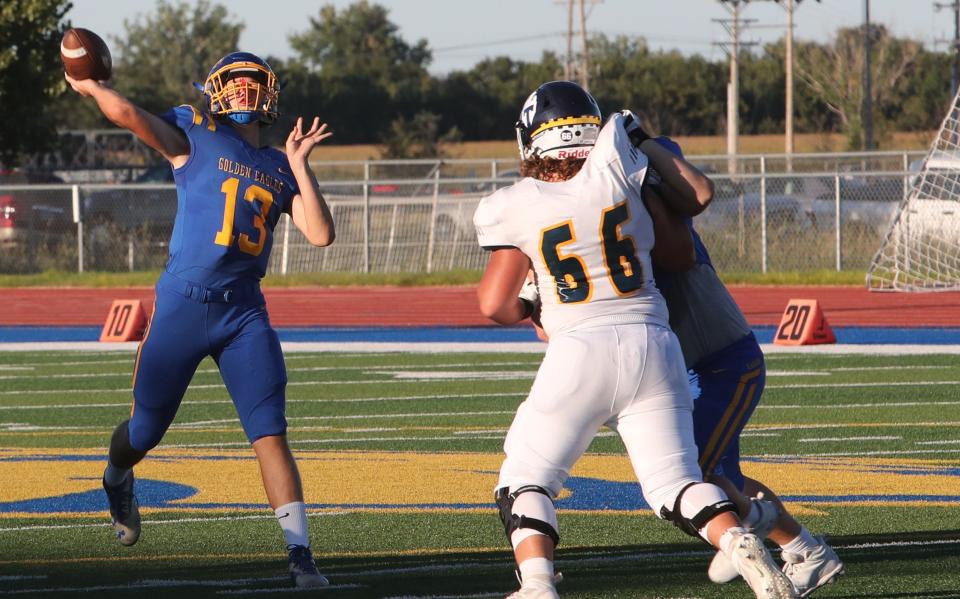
810 561
552 428
655 422
255 375
165 363
727 387
730 386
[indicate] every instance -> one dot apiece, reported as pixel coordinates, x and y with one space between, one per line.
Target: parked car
149 202
40 209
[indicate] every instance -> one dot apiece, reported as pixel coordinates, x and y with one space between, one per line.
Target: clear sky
463 32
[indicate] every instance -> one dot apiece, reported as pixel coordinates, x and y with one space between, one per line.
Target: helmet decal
529 109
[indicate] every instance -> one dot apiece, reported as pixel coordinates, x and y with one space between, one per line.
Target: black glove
635 131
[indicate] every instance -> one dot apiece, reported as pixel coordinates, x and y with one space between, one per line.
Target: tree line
352 68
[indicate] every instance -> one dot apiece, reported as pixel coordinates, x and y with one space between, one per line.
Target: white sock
802 544
540 567
727 537
292 518
113 476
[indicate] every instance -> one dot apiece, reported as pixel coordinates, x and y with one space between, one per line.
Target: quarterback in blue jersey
727 375
231 192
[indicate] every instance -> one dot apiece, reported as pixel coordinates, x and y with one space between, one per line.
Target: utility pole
955 42
568 64
582 69
788 72
788 68
867 111
788 146
584 54
732 26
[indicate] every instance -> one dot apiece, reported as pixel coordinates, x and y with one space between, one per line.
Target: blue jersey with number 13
229 198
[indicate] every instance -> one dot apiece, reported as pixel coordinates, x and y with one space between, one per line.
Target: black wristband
528 308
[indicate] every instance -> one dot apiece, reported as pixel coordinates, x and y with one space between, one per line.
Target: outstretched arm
310 211
149 128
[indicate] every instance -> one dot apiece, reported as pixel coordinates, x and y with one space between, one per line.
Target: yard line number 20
619 256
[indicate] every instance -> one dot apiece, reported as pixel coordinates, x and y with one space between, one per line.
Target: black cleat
303 570
124 510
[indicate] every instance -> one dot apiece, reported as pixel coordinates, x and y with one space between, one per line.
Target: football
85 55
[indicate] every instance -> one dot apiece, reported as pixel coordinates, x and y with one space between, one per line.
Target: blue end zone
490 334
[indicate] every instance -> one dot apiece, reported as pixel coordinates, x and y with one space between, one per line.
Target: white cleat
720 569
752 560
536 587
812 570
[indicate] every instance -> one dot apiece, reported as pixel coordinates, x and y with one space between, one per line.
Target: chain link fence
758 222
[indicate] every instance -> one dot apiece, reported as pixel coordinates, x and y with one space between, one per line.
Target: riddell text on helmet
575 153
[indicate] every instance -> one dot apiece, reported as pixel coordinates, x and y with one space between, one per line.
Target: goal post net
921 249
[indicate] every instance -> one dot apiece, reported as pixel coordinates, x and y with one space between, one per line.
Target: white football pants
630 378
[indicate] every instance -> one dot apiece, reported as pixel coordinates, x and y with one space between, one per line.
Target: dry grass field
694 145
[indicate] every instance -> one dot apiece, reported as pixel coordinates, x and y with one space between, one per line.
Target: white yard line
525 376
943 442
832 439
853 385
385 369
855 454
274 590
289 401
196 402
519 376
770 373
875 368
492 347
129 360
164 521
829 406
858 425
467 596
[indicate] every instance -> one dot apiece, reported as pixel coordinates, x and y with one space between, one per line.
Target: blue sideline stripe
490 334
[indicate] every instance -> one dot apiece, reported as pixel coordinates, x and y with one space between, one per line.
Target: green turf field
399 454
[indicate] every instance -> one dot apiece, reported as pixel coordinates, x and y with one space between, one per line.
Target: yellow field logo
68 482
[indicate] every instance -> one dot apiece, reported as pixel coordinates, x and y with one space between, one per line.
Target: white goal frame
921 249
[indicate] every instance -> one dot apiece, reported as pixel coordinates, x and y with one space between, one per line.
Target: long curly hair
551 169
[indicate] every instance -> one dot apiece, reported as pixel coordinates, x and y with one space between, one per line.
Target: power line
500 42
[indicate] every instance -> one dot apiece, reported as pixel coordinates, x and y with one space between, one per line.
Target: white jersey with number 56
588 238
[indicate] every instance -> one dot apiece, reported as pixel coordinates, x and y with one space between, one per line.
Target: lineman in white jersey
580 223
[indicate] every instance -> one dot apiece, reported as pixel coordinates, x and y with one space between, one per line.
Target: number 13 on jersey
623 267
230 189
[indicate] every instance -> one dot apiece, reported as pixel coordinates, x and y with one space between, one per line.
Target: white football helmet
558 120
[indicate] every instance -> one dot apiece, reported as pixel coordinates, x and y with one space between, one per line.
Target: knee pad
695 506
122 454
528 508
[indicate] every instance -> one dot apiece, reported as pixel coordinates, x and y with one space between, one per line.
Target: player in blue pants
231 191
727 375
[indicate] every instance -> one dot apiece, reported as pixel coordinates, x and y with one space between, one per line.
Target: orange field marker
803 323
126 321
